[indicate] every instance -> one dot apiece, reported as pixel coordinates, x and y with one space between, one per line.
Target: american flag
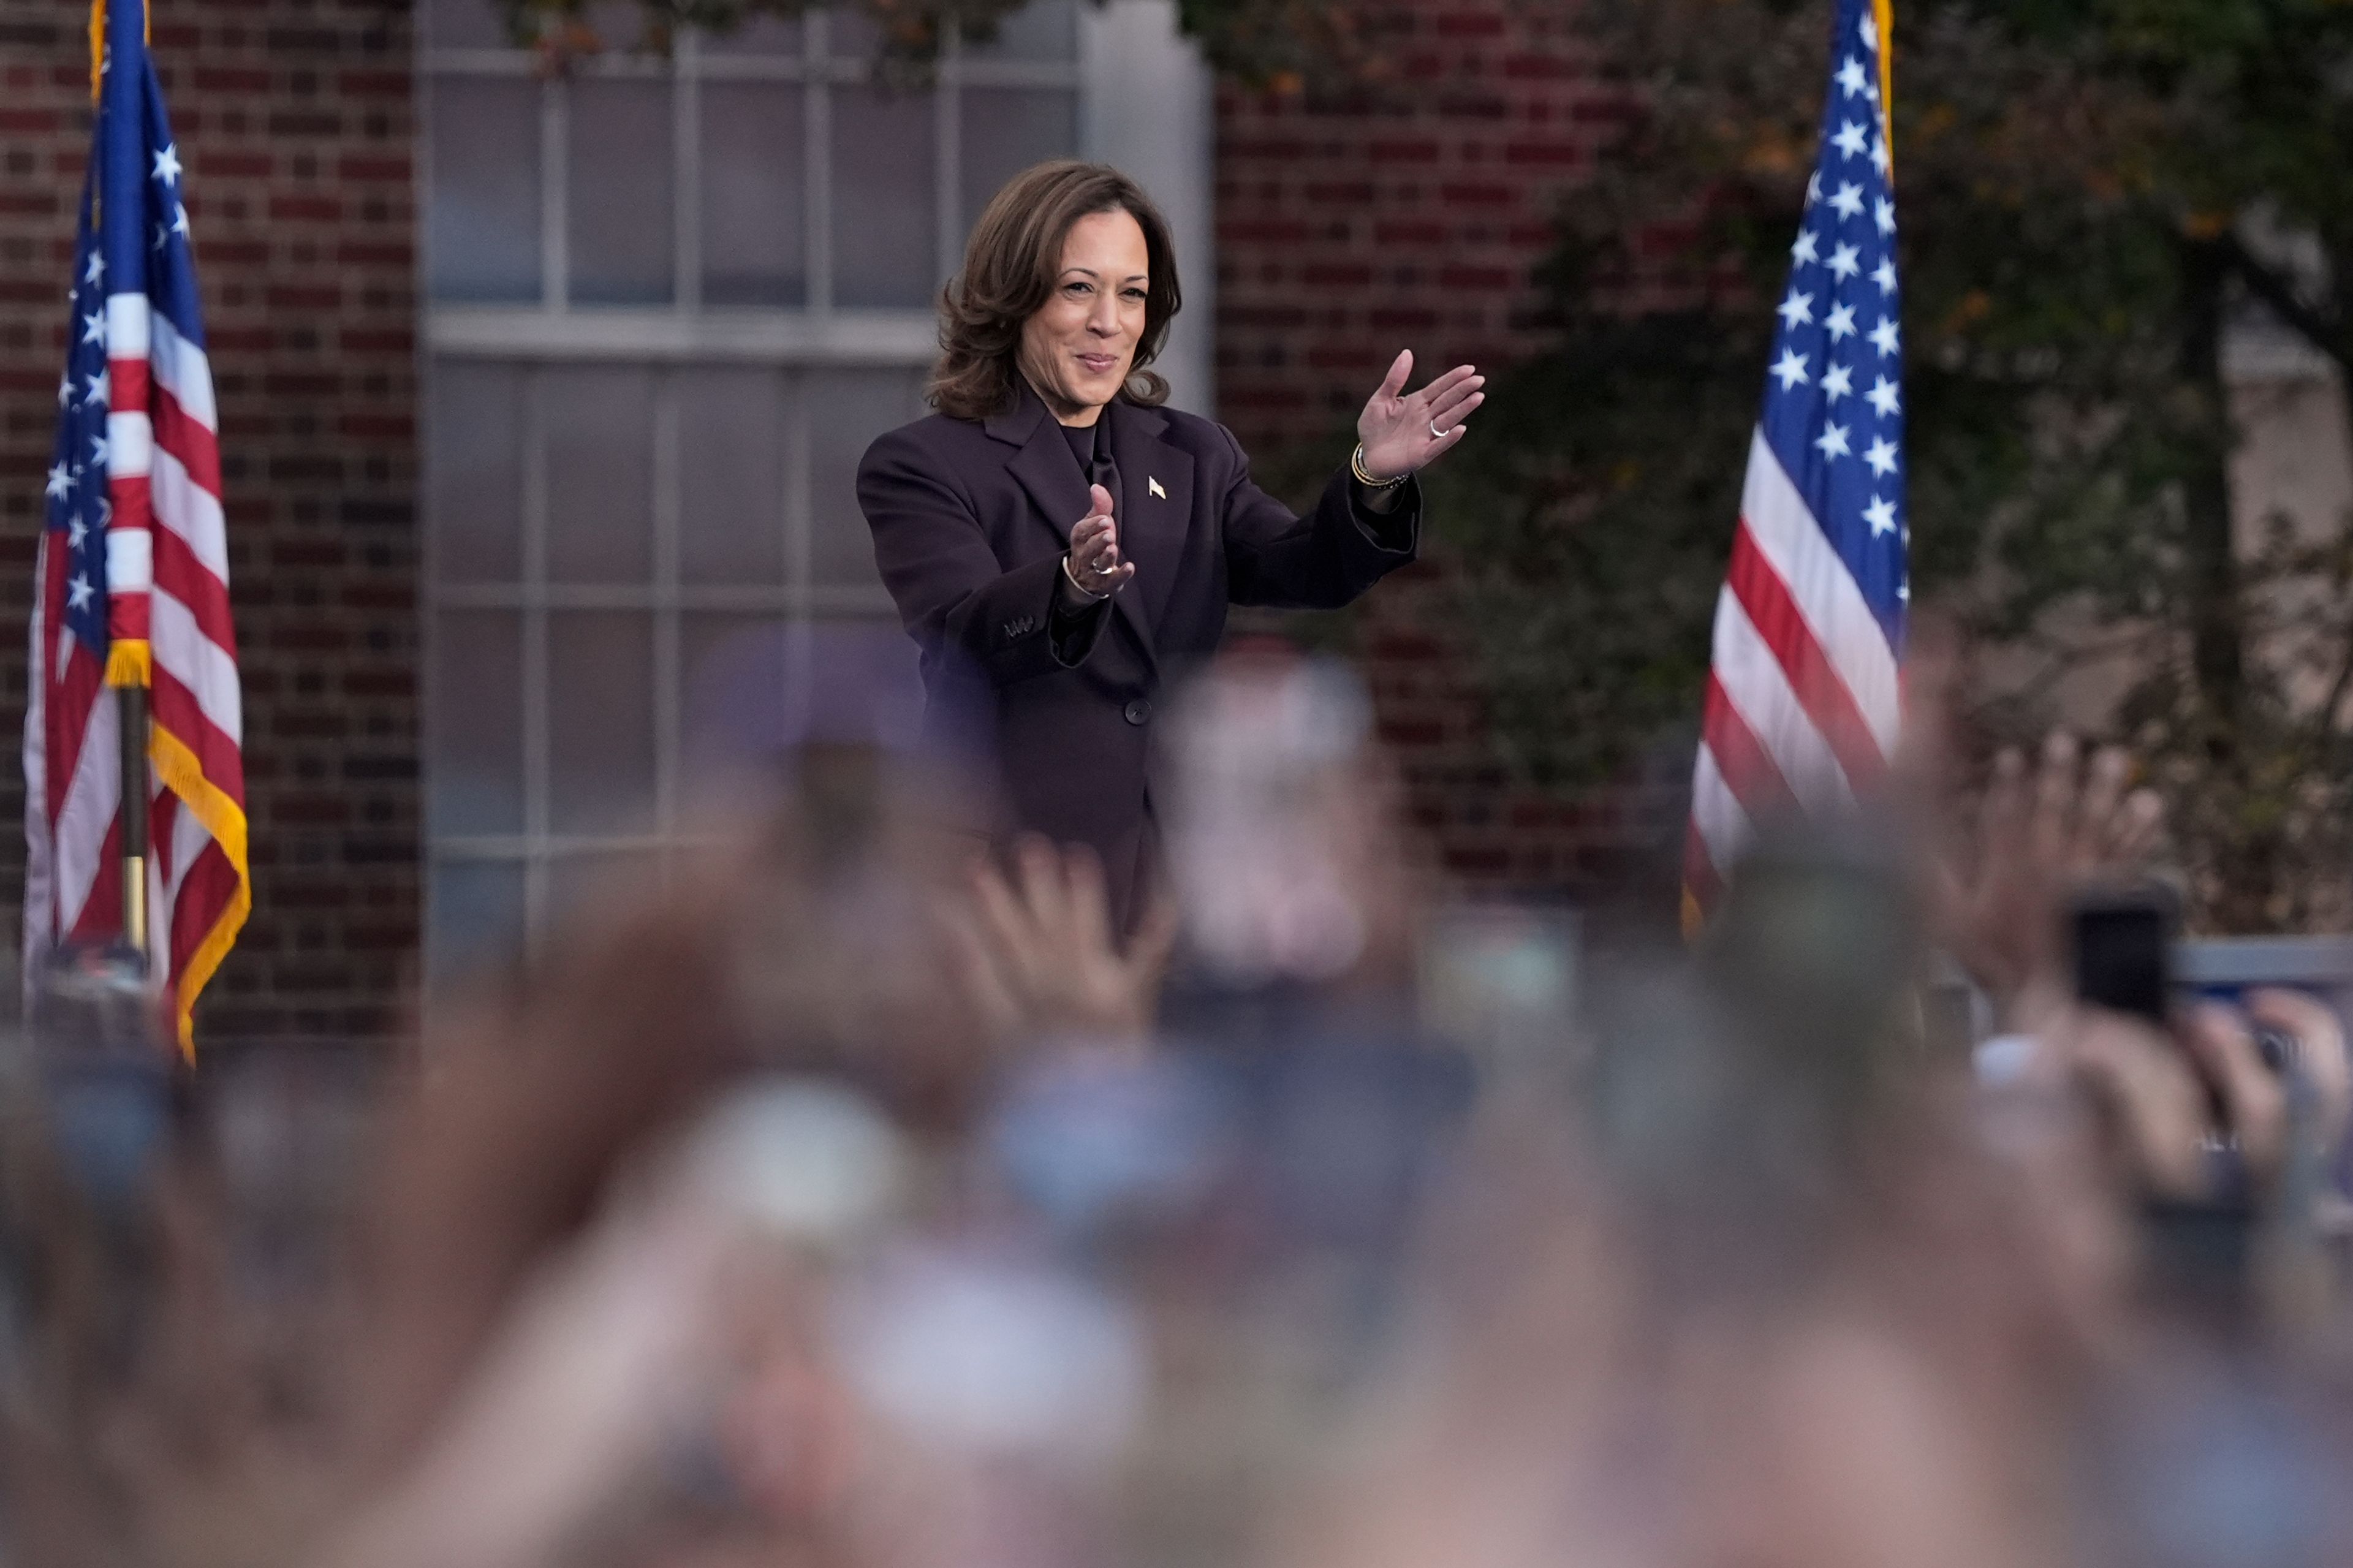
133 583
1802 703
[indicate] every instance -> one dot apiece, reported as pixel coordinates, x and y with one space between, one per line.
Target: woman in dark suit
1063 548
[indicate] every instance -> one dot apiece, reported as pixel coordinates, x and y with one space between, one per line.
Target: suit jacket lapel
1151 534
1157 480
1057 493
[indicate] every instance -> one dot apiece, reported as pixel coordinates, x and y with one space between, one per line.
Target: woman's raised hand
1404 434
1095 565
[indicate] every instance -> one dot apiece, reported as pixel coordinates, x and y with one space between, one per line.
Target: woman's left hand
1403 434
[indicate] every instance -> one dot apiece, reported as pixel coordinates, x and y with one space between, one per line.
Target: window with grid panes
668 301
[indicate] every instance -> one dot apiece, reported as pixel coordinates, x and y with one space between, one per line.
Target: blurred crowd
855 1197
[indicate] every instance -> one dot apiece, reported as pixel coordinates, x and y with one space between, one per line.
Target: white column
1146 106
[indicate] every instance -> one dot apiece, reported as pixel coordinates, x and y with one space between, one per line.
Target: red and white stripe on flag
1803 696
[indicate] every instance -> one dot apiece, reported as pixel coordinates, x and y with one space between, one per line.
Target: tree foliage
2095 195
1287 43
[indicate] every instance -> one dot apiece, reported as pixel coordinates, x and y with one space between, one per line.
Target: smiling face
1079 346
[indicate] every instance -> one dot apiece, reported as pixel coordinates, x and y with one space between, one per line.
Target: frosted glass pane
473 725
1043 30
760 36
884 208
600 721
481 232
731 476
736 694
580 883
1006 130
599 443
619 26
752 685
850 36
620 233
753 250
463 24
473 917
474 461
847 409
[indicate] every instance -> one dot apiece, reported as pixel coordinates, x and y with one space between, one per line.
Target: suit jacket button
1137 712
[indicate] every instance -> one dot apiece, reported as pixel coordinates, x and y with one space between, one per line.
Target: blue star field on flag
1833 397
78 508
132 244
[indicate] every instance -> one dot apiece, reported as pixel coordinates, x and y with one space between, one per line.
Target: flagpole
131 704
119 27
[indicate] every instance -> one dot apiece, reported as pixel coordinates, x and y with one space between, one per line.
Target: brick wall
293 119
1417 217
1413 217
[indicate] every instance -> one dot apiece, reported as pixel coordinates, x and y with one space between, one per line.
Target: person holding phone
1063 546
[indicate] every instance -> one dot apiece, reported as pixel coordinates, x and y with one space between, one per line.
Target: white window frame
1144 102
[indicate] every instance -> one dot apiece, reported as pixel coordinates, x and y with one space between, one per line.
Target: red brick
1486 279
315 297
374 169
241 165
231 80
1479 196
1541 68
375 84
310 810
375 254
1467 25
305 209
1558 154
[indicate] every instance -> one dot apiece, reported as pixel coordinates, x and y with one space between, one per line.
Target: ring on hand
1435 433
1102 569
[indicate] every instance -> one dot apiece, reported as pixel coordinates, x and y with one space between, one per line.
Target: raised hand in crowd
1038 954
661 1378
1998 887
525 1106
2176 1101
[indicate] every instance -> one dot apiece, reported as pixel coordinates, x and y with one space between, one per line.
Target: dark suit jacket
970 522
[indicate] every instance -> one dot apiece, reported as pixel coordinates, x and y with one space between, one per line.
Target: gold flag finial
1884 12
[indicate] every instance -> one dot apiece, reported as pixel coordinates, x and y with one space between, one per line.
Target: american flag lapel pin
1154 486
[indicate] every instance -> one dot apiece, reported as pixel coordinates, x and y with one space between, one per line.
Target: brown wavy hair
1010 266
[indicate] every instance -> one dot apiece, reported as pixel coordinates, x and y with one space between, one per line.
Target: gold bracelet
1357 468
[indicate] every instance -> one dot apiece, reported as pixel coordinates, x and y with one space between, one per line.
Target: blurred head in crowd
1285 833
